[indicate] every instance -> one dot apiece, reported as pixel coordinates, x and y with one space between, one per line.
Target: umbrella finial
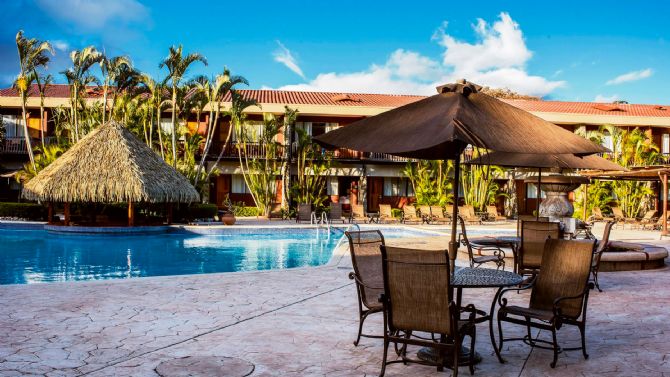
461 86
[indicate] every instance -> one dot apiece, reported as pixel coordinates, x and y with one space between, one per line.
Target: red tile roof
390 100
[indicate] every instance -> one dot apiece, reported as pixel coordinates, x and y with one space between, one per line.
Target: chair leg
457 354
582 331
500 336
595 280
473 337
553 335
386 346
361 319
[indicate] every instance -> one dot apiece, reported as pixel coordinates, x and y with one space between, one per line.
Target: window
13 126
166 126
397 187
332 186
607 141
665 144
531 191
238 186
315 128
251 130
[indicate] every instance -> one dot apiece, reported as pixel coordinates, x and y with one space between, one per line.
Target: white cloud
60 45
631 76
606 99
497 59
93 15
283 55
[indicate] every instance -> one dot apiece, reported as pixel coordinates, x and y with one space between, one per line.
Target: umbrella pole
453 244
539 194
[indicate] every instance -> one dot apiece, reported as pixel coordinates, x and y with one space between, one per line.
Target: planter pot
228 219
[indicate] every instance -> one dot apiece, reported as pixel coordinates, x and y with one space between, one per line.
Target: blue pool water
36 256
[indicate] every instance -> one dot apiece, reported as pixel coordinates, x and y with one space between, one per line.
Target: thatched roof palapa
110 165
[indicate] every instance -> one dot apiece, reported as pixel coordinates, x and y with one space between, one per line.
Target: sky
567 50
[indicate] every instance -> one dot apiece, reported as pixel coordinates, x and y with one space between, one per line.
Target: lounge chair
559 295
386 215
437 212
358 214
647 220
366 259
304 213
425 213
467 212
409 215
335 213
597 215
417 299
598 253
658 225
498 256
493 215
534 234
620 218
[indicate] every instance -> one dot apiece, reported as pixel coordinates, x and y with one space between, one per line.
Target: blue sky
566 50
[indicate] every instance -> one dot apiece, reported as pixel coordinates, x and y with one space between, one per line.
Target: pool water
36 256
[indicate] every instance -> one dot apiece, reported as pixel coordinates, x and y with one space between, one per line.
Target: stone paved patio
298 322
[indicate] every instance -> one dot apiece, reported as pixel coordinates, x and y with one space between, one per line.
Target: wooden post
586 196
131 214
664 232
50 213
66 214
169 214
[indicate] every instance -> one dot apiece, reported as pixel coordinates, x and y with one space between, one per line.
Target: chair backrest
464 238
566 266
616 211
660 218
597 213
385 210
464 212
357 210
335 211
471 211
366 259
522 218
602 244
534 234
304 211
437 211
409 211
425 211
649 214
492 210
417 289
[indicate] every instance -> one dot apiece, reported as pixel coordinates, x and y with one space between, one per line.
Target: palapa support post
50 213
664 232
131 213
66 214
169 214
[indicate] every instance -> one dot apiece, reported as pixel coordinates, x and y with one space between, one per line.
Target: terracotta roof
592 108
53 91
391 101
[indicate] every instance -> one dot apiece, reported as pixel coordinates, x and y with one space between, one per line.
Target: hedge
27 211
195 211
243 211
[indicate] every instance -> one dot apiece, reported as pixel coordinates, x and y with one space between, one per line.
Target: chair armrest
354 276
503 301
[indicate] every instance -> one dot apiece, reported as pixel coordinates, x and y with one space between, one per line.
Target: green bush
27 211
242 211
396 212
201 211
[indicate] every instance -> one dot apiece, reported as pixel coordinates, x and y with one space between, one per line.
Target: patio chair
498 256
559 296
658 225
366 260
493 214
597 215
438 215
425 213
598 253
386 215
467 212
418 298
304 213
534 234
409 215
335 213
521 218
620 218
358 214
647 220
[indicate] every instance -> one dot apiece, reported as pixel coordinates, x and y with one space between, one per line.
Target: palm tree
32 54
156 91
111 69
290 116
177 65
42 85
214 91
78 76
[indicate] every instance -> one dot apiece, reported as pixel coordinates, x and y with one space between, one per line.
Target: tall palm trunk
104 102
174 126
160 131
75 113
42 122
25 130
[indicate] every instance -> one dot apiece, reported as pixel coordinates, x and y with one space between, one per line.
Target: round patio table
468 277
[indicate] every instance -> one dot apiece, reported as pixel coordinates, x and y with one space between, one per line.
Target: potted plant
228 216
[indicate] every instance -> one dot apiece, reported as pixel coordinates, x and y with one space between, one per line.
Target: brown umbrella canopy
439 126
563 161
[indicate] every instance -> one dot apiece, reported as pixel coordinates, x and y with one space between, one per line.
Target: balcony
256 150
17 145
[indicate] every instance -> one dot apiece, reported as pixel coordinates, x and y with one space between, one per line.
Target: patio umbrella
540 161
441 126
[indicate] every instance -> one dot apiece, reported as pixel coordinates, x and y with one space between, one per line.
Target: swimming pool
37 256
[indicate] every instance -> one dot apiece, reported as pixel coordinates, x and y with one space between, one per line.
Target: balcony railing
17 145
252 150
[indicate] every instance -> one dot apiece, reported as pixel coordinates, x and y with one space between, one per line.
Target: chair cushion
544 315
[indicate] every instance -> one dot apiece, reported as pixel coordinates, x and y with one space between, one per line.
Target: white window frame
238 185
665 143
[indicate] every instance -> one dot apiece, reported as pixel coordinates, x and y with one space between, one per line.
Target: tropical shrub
478 184
313 170
246 211
26 211
431 181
